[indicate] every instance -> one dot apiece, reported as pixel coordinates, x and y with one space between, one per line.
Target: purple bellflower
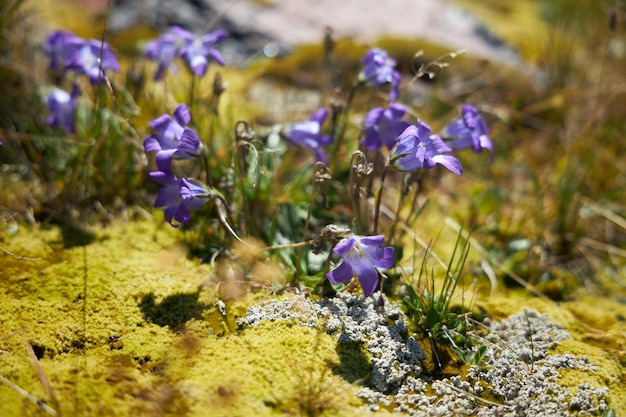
471 131
59 46
163 51
417 148
378 70
178 196
361 256
85 59
308 134
62 108
198 50
172 137
383 126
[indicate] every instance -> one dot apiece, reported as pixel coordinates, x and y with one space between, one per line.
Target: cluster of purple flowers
195 51
411 147
414 146
173 139
68 52
90 57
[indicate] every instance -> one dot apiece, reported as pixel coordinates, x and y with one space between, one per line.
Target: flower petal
215 36
182 214
368 277
345 245
377 240
216 56
320 116
150 144
342 273
449 162
387 259
182 114
164 159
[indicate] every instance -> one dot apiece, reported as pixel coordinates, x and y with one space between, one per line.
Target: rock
272 27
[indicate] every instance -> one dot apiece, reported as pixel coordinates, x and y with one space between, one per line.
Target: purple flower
471 131
62 109
308 134
361 256
178 196
172 137
417 148
378 70
59 46
85 59
383 126
164 50
197 51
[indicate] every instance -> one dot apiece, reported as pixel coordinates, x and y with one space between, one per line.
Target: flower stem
379 195
344 123
192 87
242 140
306 228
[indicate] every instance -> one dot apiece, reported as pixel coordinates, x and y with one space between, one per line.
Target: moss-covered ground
126 323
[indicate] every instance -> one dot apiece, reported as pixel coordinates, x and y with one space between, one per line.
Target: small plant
315 392
434 314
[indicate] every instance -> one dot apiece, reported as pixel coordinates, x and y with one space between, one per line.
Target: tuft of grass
434 313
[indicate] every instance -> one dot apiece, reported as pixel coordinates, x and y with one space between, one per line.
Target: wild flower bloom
378 70
471 131
62 108
361 256
59 46
86 59
178 196
172 137
308 134
417 148
383 126
198 50
164 50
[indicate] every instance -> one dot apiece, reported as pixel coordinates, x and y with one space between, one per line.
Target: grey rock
275 26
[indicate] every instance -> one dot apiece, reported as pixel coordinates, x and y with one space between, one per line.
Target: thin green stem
240 157
306 228
207 168
192 88
379 195
344 123
396 217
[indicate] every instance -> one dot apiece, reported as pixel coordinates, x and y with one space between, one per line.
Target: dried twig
28 396
44 379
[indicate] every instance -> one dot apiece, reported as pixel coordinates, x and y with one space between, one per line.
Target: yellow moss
154 343
150 340
517 22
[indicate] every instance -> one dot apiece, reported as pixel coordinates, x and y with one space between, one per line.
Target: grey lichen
520 377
